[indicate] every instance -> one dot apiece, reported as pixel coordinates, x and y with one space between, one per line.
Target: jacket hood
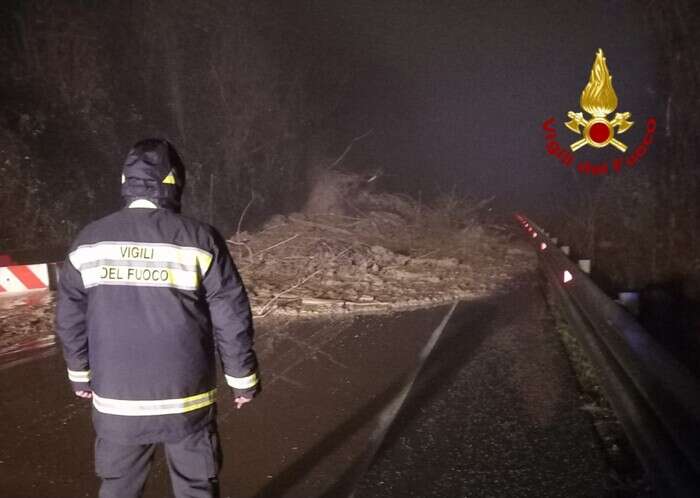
154 171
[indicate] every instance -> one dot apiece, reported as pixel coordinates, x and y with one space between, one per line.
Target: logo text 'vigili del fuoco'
598 100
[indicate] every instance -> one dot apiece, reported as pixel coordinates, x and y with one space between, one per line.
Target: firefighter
146 297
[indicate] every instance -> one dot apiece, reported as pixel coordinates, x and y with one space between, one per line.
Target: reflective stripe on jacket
146 297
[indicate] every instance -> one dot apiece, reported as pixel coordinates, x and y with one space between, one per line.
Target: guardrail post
54 272
585 265
629 301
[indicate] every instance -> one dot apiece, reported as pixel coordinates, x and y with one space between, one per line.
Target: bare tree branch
347 149
240 220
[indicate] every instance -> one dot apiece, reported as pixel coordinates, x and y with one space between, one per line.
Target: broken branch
240 220
279 243
347 149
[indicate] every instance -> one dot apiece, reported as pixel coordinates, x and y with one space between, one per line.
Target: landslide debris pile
385 252
25 324
378 253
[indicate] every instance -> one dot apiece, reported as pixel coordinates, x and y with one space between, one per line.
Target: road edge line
388 415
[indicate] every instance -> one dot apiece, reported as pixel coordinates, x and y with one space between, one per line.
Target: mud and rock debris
392 255
382 260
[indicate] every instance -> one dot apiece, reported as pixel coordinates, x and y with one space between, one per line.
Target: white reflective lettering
128 263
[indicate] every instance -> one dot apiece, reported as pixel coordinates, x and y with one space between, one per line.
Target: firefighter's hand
84 394
240 401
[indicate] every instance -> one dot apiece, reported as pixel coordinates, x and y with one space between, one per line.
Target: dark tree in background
642 229
677 228
257 94
234 85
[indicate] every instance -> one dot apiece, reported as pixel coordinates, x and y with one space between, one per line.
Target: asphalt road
493 412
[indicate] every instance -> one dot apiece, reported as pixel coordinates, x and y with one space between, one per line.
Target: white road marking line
389 414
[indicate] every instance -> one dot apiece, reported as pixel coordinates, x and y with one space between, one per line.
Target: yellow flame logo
599 100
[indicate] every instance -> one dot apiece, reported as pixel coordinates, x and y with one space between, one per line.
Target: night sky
457 91
261 94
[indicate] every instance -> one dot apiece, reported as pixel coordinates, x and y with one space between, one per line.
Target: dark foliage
643 230
231 84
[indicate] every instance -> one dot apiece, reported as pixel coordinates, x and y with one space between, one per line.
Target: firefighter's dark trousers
194 464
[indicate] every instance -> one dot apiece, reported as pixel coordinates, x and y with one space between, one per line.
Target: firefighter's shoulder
196 231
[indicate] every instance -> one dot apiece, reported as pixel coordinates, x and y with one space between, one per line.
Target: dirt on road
378 253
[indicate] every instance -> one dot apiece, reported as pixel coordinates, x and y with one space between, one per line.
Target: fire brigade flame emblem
599 100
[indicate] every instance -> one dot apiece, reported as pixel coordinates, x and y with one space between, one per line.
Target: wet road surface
493 412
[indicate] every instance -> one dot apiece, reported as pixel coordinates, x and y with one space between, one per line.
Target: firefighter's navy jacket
146 296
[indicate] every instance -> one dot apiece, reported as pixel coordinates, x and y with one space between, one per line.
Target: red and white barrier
23 278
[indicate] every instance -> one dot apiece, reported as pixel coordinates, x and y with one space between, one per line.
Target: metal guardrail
655 397
28 270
